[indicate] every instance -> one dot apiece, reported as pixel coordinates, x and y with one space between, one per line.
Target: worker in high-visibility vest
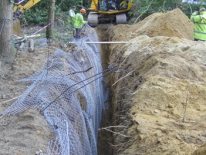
79 22
71 18
199 20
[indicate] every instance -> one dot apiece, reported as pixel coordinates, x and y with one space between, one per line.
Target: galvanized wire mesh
72 108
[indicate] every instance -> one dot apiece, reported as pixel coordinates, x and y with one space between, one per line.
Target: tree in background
189 8
38 14
143 8
50 19
6 29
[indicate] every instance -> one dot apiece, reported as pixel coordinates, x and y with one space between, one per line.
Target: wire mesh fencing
68 91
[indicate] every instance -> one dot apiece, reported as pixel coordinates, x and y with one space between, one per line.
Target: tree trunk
7 51
49 31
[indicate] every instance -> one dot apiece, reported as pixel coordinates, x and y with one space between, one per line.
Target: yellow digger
18 10
109 11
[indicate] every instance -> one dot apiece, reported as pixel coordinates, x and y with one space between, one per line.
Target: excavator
18 10
108 11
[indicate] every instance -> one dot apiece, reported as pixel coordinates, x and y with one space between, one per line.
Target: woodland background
37 15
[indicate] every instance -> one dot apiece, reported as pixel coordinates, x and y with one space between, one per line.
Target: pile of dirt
172 24
160 92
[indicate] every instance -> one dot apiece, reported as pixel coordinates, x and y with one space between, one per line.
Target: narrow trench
70 122
105 137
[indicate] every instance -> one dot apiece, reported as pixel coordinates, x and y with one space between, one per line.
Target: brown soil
23 134
160 92
171 24
28 132
158 98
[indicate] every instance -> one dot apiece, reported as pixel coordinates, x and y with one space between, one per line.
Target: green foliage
188 8
143 8
65 5
37 15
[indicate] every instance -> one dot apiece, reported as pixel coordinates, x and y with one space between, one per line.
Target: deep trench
105 137
56 114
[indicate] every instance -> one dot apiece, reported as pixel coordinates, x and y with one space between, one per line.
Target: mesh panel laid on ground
72 108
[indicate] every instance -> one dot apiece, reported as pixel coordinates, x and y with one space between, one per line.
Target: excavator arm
18 10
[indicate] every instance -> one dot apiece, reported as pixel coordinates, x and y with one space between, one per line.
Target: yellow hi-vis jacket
199 25
79 21
71 16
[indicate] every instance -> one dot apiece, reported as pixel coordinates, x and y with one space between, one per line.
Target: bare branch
112 127
128 74
10 100
81 71
115 132
183 119
143 12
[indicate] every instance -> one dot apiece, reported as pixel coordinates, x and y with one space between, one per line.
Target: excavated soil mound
160 92
172 24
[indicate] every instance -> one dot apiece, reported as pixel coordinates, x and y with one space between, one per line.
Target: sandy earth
158 98
160 92
29 132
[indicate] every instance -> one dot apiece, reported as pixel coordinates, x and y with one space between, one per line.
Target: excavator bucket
17 28
18 10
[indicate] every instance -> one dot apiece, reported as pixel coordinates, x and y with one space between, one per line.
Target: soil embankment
159 95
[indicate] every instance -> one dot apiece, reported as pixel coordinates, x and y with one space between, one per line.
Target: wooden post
31 45
22 45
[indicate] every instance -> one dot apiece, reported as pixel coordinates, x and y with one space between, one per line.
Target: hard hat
83 11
